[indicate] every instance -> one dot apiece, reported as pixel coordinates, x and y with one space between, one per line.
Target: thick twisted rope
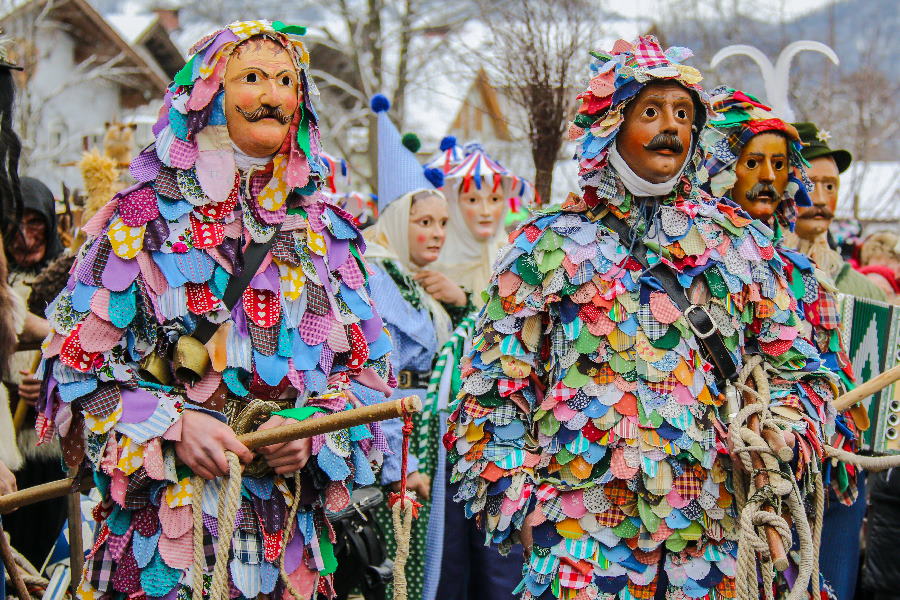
197 484
28 584
402 516
229 504
404 508
762 507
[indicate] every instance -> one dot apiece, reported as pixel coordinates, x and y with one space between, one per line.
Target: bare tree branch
537 51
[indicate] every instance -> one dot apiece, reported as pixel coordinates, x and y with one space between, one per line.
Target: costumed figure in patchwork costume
458 564
420 307
477 189
217 291
810 236
755 159
590 421
337 190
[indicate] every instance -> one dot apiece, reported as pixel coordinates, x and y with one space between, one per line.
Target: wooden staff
255 439
12 568
76 542
21 405
863 391
776 546
760 480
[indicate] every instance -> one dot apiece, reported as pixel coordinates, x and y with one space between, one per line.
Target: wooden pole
864 390
76 542
760 480
777 551
21 406
255 439
19 415
12 568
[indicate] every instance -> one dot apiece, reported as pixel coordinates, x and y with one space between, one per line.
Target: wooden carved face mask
261 96
482 209
655 137
762 175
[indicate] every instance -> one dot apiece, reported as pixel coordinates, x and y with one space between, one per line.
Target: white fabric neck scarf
244 162
637 185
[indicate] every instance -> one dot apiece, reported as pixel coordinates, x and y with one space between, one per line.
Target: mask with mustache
665 141
817 211
261 96
758 188
760 206
264 111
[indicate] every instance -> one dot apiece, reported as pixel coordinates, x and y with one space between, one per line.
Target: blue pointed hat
398 170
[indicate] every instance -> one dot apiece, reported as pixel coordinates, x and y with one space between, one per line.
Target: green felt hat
815 145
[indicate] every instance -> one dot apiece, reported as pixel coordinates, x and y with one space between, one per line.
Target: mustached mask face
762 175
814 220
655 137
261 96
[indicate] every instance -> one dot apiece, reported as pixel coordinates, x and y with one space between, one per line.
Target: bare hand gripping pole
255 439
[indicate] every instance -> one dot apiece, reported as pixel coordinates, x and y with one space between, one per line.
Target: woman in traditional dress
419 306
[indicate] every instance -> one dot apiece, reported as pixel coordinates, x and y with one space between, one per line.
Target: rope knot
403 497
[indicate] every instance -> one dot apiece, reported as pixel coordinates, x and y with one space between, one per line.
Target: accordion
871 333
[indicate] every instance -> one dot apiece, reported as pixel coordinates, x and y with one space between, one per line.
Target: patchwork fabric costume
303 337
745 117
588 410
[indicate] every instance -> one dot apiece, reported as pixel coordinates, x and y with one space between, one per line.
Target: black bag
363 563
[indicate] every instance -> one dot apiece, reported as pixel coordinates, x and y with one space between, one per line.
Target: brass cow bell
155 367
191 359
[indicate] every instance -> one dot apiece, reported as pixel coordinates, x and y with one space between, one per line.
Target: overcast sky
771 9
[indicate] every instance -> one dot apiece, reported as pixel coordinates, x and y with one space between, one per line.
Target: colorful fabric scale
589 413
304 332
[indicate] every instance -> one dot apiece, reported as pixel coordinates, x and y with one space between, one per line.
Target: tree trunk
399 99
372 36
544 161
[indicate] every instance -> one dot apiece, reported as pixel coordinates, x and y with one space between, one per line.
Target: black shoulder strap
697 316
253 257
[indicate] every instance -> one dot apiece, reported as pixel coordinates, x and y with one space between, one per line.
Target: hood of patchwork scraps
741 117
618 76
192 133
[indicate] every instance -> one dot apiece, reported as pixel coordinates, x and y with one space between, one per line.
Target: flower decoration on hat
743 116
399 173
617 77
192 132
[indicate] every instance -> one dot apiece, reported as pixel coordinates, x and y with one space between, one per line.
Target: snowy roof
131 26
875 185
